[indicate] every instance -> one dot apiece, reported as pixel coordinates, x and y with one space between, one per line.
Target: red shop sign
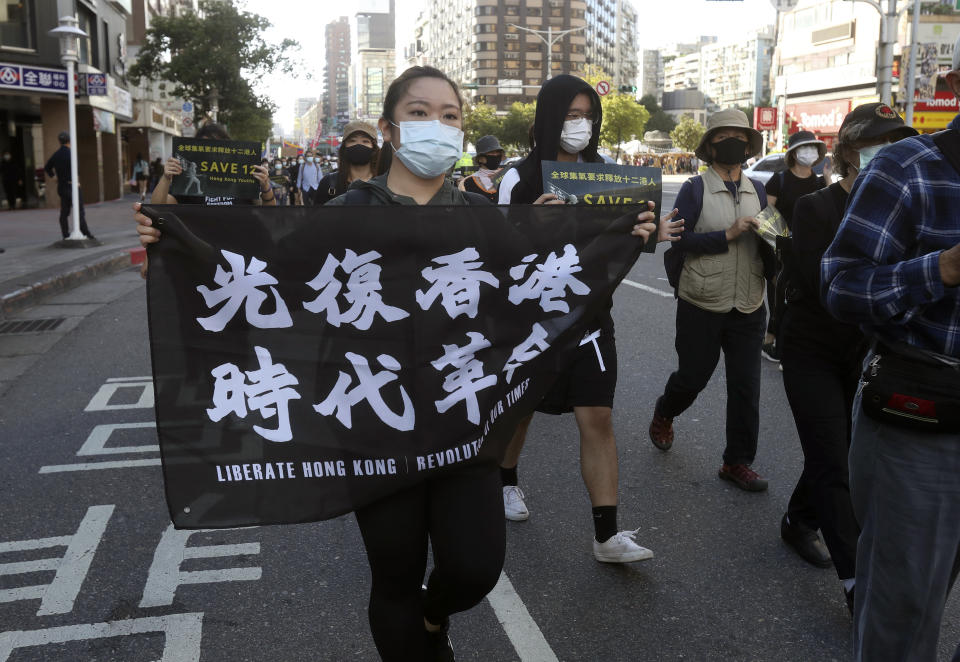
819 117
942 102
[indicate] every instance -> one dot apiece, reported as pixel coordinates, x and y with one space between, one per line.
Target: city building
737 72
33 101
484 44
611 42
685 103
373 65
336 75
158 116
651 74
681 72
825 64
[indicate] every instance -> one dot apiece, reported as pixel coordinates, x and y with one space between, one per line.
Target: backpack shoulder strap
697 183
761 191
948 142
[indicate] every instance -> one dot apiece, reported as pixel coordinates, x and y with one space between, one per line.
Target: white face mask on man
576 135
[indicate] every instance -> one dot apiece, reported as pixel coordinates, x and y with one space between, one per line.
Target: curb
34 293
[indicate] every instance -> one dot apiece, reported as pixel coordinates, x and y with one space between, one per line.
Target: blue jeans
905 487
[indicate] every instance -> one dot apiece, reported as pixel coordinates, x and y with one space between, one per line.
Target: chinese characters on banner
331 356
216 168
603 184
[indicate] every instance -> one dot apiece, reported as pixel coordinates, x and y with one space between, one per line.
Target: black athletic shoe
806 543
437 647
848 595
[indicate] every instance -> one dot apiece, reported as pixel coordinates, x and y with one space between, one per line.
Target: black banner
215 168
604 184
308 361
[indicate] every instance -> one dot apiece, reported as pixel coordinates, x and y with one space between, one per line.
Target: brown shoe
661 431
743 477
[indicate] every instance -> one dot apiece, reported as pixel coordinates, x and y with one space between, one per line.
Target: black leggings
821 392
462 514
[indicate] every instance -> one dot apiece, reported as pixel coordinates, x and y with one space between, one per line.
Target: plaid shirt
882 269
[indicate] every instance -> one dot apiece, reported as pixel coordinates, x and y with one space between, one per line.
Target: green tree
687 134
659 120
516 125
623 119
210 57
481 120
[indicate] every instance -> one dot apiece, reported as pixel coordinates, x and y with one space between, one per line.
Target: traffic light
628 89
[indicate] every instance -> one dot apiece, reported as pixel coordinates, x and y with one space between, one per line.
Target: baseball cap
879 119
362 127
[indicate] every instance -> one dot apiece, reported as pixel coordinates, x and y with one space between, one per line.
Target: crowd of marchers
858 301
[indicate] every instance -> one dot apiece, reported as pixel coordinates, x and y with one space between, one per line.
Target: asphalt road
121 585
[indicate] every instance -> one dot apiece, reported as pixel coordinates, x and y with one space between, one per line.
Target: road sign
603 88
187 107
96 85
187 122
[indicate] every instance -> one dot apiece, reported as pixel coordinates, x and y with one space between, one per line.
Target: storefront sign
96 85
36 79
926 122
103 121
765 119
942 102
123 103
943 35
820 117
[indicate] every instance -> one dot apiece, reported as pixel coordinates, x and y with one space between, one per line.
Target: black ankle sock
508 476
604 522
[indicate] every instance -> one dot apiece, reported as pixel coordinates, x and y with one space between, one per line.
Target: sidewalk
32 268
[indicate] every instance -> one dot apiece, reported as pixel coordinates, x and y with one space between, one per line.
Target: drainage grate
30 326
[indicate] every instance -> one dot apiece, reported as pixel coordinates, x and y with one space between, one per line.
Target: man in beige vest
720 294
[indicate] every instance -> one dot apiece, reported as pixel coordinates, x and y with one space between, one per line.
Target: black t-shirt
788 188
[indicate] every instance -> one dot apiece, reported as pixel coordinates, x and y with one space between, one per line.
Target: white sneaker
621 548
514 509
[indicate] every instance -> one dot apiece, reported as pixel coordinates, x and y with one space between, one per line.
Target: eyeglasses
577 115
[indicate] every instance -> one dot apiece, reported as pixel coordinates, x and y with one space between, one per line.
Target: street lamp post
549 40
889 18
70 35
912 69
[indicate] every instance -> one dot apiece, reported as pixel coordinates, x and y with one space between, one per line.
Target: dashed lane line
647 288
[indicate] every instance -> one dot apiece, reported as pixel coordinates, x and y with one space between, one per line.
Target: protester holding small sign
173 167
567 128
358 152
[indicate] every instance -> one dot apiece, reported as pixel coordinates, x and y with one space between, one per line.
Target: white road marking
97 440
183 633
71 570
89 466
647 288
165 574
146 378
521 629
101 399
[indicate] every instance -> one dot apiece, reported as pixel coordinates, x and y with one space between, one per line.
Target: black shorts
141 178
584 382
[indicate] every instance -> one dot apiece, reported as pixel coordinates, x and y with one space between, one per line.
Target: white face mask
300 161
867 154
429 148
576 135
807 156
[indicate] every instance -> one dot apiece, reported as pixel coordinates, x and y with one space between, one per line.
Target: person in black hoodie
822 360
567 128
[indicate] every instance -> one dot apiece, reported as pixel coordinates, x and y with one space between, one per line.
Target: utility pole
912 70
889 20
549 40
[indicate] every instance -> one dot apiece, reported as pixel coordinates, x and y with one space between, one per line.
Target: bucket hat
488 144
801 138
729 118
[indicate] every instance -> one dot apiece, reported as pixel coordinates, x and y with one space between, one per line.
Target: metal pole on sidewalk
912 70
70 35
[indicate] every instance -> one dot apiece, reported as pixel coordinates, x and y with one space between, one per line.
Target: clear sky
660 23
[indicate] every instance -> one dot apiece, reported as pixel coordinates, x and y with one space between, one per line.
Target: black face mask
730 151
358 154
491 162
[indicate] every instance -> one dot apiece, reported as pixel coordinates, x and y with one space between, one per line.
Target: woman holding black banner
172 168
567 128
458 513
